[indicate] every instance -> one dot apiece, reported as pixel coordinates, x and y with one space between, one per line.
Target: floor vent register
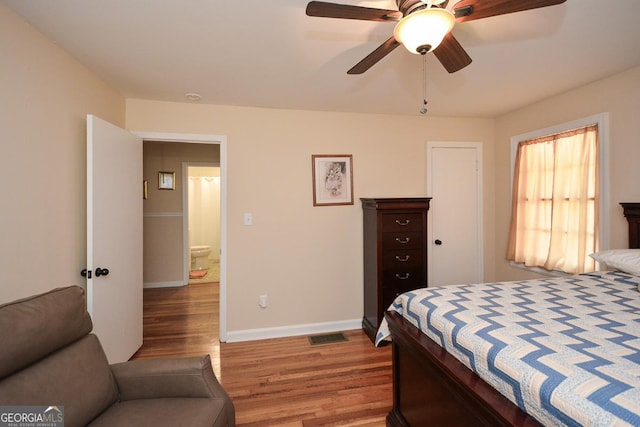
327 338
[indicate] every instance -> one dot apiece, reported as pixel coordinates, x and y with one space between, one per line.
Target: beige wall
307 259
163 211
45 97
618 95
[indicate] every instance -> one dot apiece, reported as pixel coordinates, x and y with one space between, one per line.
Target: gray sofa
49 357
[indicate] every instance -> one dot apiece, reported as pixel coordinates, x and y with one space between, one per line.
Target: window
556 199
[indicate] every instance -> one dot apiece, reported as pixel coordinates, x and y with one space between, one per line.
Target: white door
114 237
454 178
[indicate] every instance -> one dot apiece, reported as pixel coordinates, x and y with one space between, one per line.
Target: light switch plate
248 219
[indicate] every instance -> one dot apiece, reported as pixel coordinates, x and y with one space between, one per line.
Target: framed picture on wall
166 180
332 179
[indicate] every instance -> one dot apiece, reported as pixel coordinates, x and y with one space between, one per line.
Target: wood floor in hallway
275 382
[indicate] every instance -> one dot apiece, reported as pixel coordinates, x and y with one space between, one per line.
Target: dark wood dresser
395 253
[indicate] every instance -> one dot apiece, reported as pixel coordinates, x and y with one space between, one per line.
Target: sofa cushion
192 412
34 327
77 377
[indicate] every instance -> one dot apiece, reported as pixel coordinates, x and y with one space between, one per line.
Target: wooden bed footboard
432 388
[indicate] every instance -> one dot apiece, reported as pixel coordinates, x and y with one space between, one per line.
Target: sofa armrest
167 377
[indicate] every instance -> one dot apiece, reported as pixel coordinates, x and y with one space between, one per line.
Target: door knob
99 272
102 272
438 242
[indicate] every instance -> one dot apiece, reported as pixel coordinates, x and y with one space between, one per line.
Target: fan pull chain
423 110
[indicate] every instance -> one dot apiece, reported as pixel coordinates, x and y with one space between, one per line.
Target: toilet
200 257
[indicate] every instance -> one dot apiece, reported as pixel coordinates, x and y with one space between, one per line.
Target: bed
593 380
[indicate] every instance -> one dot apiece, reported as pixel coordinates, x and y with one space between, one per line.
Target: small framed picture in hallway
166 180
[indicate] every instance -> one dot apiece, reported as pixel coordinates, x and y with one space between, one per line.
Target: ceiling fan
424 25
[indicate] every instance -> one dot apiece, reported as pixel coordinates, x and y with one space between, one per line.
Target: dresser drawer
403 259
403 279
401 222
389 294
402 241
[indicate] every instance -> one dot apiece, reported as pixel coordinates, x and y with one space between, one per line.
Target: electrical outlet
262 301
248 219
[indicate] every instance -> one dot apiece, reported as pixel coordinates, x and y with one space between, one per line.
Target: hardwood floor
276 382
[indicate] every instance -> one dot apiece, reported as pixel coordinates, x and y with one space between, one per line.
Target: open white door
114 237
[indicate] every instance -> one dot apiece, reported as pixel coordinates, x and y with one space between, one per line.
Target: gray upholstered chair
49 357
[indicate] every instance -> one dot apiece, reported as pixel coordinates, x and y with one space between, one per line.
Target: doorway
221 141
201 199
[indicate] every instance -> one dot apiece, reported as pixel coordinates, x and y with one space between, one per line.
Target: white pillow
626 260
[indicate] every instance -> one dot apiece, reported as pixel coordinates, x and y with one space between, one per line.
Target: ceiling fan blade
332 10
451 54
468 10
375 56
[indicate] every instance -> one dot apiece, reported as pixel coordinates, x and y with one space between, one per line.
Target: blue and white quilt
565 350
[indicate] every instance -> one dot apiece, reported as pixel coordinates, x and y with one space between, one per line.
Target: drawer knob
403 259
403 222
438 242
403 241
404 276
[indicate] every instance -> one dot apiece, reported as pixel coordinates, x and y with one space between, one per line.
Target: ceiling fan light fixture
422 31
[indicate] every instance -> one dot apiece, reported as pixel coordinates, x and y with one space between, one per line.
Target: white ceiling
268 53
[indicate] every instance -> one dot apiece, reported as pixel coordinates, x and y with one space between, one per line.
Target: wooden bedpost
632 213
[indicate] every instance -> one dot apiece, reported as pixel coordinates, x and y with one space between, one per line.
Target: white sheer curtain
204 213
555 202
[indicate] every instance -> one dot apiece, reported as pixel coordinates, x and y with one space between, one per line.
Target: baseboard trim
163 284
291 331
